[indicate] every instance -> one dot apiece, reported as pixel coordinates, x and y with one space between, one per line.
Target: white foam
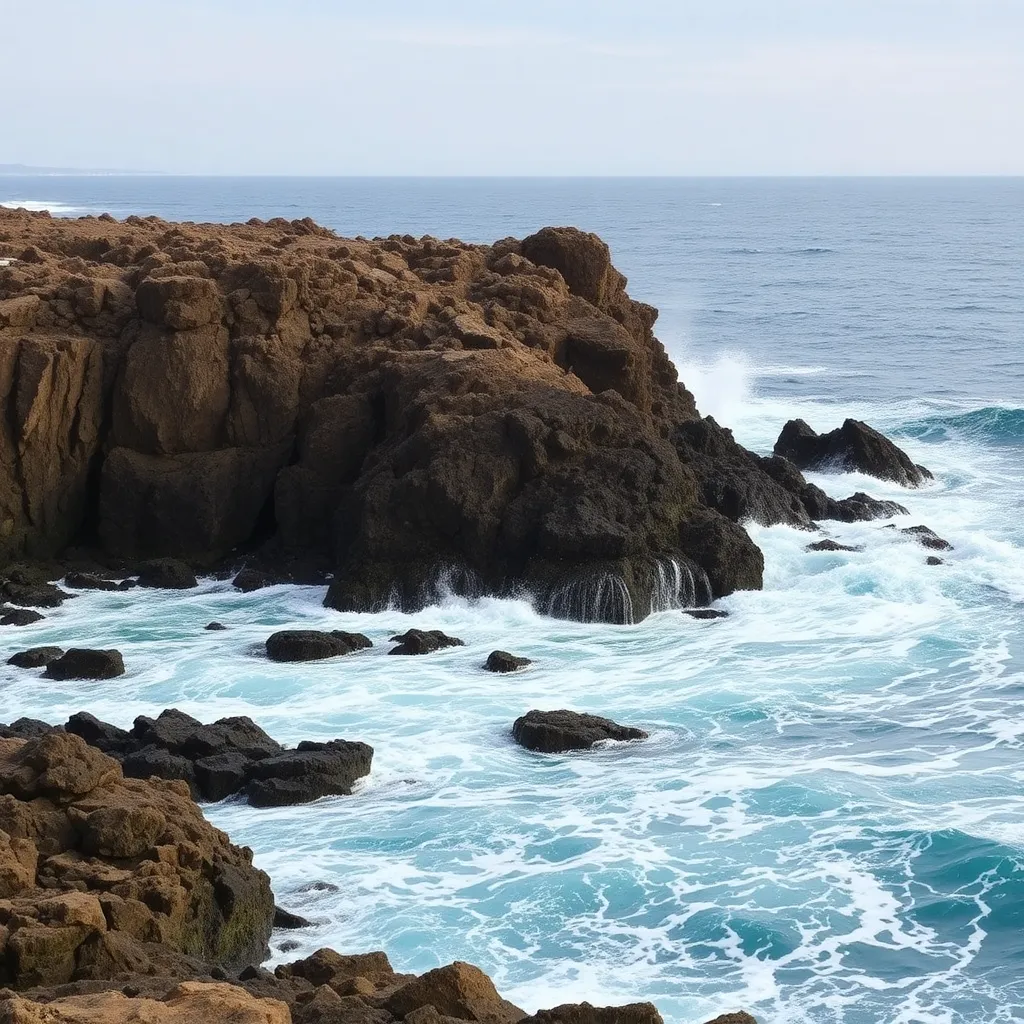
40 205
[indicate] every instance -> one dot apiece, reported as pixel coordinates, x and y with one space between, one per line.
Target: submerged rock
934 560
831 545
313 645
706 613
249 580
852 447
927 537
502 661
35 657
419 641
90 581
553 732
82 663
215 627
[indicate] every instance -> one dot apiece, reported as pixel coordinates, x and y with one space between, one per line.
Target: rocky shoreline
389 415
119 902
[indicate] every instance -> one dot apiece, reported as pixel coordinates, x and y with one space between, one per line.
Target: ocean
827 823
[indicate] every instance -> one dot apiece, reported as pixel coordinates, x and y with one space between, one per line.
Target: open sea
827 824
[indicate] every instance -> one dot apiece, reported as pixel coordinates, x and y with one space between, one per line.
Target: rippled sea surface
827 824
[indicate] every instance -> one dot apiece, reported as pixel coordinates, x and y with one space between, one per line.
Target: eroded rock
553 732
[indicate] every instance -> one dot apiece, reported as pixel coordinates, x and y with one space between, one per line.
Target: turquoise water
827 824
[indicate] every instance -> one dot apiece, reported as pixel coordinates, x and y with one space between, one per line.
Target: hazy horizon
580 88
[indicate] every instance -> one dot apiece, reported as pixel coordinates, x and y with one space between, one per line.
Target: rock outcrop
553 732
410 414
502 661
97 869
852 447
313 645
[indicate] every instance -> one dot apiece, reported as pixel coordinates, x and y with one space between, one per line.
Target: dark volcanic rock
724 550
249 580
927 537
27 729
19 616
220 775
102 735
90 581
420 641
156 761
502 661
227 735
167 574
934 560
35 657
313 645
309 772
706 613
852 447
33 595
286 919
171 729
215 627
552 732
831 545
82 663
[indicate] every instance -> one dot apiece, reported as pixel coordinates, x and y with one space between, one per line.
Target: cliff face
392 410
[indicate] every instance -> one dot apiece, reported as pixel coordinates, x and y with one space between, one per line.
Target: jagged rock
187 1003
102 735
19 616
249 580
26 729
459 990
35 657
927 537
309 772
553 732
831 545
167 574
706 613
157 762
286 919
236 734
221 775
502 661
419 641
215 627
852 447
724 550
313 645
584 1013
82 663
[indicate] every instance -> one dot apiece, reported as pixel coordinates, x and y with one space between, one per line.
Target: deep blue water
827 824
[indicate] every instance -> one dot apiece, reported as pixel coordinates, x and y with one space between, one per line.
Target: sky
520 87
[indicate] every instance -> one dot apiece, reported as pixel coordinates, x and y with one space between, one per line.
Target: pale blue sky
529 87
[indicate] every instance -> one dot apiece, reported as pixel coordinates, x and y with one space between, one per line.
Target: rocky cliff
397 411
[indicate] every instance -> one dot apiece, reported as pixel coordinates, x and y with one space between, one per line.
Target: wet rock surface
35 657
852 447
423 641
82 663
313 645
831 545
502 661
19 616
553 732
706 613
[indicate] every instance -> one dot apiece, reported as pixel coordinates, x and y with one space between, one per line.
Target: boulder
157 762
286 919
221 775
32 595
934 560
853 447
459 990
26 729
90 581
312 645
724 551
35 657
585 1013
502 661
553 732
249 580
19 616
215 627
167 574
419 641
307 773
171 729
235 734
82 663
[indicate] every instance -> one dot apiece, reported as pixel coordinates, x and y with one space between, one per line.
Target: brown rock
459 990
